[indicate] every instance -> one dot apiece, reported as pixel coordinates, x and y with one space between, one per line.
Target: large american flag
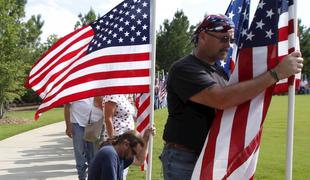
109 56
232 146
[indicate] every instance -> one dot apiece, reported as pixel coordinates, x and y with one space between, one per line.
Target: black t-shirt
188 122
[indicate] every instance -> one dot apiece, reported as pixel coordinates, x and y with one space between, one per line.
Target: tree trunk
2 110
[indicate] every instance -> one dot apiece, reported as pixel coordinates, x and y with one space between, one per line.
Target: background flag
232 146
109 56
163 91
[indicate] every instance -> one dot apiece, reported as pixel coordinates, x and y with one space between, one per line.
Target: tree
17 43
30 96
173 40
86 19
305 47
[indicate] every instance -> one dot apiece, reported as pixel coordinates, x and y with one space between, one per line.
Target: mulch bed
14 121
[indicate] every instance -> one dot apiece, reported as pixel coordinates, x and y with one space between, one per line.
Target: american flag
232 146
163 92
238 11
143 104
109 56
286 44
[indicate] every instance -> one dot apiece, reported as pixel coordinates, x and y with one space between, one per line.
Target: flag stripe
107 55
244 155
144 124
287 37
209 153
245 170
41 83
108 83
60 46
143 104
87 92
237 132
117 76
240 119
100 64
284 31
222 142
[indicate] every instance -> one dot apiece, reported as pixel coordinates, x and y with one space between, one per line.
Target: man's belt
179 147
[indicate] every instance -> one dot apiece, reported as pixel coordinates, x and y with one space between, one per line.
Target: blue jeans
83 151
177 164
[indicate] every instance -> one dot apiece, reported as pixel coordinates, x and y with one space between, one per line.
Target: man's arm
67 120
232 95
139 158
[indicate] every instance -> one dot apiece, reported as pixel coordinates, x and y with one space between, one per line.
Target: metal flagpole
153 58
291 109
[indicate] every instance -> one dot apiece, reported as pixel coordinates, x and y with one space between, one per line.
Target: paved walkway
39 154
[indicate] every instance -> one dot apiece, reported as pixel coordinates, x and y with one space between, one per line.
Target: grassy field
271 164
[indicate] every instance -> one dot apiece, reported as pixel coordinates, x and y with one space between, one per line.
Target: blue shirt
107 165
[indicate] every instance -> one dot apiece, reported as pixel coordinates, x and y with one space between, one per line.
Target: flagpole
153 74
291 110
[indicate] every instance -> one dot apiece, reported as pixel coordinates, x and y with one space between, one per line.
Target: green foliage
32 31
305 47
173 40
29 95
11 66
18 42
86 19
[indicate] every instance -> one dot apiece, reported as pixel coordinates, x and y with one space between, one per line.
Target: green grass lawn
271 164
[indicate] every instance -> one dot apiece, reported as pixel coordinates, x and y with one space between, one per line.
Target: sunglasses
224 39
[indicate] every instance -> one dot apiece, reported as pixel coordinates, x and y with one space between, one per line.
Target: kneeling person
126 149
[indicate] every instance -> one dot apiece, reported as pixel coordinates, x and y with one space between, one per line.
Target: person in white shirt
77 114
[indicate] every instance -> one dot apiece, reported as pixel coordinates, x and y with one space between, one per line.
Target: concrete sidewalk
39 154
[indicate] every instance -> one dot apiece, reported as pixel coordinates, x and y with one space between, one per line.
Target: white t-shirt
123 119
83 110
96 114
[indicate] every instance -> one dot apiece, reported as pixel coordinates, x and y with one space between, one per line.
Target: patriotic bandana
214 23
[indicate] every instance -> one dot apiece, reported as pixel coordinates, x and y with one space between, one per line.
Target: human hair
132 136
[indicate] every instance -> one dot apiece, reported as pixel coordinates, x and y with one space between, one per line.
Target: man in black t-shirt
196 87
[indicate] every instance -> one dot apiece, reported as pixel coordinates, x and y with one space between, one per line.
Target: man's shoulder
108 151
189 59
187 64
